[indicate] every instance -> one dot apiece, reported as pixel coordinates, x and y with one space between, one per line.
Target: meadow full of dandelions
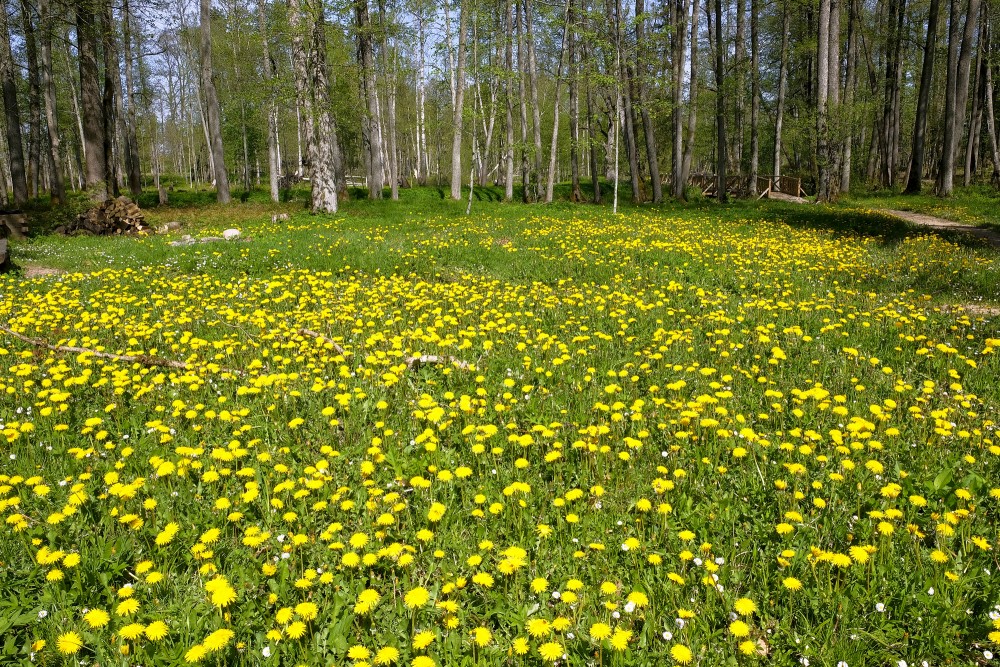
647 440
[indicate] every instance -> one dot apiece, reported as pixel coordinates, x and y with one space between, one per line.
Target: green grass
642 402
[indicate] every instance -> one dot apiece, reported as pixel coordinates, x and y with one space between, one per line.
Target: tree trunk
526 194
754 98
964 66
371 135
916 170
212 105
973 137
535 107
270 108
595 173
625 78
991 122
677 83
12 115
720 107
326 150
647 122
133 166
946 171
456 142
779 118
692 121
850 84
508 185
34 101
738 86
114 113
551 176
49 93
90 102
576 195
822 93
834 127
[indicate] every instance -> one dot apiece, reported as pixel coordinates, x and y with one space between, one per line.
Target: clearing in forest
699 436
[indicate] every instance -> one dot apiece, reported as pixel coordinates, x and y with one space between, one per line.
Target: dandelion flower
619 641
218 639
69 643
792 584
745 607
681 654
387 655
550 651
156 630
417 597
600 631
97 618
132 631
739 629
195 653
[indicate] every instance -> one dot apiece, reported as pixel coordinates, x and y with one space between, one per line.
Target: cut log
115 216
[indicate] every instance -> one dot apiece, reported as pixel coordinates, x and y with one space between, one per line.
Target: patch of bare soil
991 236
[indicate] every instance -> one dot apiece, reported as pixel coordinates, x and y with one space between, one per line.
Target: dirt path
991 236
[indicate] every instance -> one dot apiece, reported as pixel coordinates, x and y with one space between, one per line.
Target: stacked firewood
117 215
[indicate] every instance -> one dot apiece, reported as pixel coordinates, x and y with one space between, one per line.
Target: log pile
117 215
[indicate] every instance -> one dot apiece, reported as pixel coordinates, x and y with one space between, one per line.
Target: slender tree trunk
913 181
12 115
964 67
834 127
90 95
527 191
677 83
456 143
303 99
975 128
625 75
110 98
754 97
782 88
642 72
595 173
551 176
946 171
850 85
212 105
536 109
576 195
508 185
822 92
692 120
990 119
371 135
133 164
49 93
739 87
273 164
326 147
34 100
720 106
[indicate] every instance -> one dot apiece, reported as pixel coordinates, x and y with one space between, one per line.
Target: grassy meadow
753 434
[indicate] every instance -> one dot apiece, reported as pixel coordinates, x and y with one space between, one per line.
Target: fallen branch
411 362
323 339
415 362
145 360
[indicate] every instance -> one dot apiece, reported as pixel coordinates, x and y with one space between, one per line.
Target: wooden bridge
785 188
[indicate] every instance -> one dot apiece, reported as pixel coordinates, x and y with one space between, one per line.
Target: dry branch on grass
145 360
411 362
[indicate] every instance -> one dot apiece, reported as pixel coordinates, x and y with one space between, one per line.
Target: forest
466 333
107 96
